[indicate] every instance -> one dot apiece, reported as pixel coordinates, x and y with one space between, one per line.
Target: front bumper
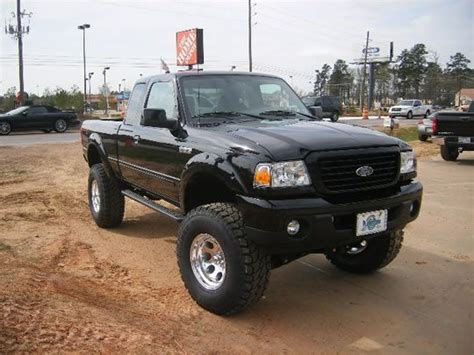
323 225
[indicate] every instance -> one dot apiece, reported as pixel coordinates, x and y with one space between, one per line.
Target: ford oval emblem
365 171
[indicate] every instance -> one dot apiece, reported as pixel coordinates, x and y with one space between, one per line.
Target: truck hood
293 139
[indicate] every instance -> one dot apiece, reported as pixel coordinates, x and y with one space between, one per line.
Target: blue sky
290 38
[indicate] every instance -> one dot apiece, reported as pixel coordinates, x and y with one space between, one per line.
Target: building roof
469 92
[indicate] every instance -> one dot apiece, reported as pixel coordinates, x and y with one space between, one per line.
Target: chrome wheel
60 125
95 196
5 128
207 261
357 249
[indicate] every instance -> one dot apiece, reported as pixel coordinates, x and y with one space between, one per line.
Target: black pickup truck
255 181
454 132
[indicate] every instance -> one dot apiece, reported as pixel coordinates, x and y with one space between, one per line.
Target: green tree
383 80
459 72
322 77
433 85
411 69
340 80
7 102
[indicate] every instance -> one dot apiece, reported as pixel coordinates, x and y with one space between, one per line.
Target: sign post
189 47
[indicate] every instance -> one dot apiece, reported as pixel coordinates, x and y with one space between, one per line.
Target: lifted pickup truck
454 132
255 180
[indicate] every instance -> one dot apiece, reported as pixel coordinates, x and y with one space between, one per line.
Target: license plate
464 139
371 222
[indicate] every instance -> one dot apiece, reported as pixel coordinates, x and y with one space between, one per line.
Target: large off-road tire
335 116
5 128
223 271
375 254
422 137
409 115
60 125
106 202
448 154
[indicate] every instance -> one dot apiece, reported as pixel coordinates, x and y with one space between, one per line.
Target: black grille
338 173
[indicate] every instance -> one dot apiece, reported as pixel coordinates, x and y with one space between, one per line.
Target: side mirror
155 117
316 111
24 113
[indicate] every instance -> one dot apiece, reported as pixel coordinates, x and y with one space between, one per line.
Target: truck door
127 137
417 108
159 149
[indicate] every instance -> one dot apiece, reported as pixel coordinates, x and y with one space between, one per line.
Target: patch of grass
406 134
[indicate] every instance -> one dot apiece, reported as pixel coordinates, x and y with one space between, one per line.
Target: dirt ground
68 286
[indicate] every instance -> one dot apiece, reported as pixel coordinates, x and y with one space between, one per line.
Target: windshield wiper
218 114
277 113
226 114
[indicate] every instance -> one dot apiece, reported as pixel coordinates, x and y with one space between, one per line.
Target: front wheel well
203 189
93 156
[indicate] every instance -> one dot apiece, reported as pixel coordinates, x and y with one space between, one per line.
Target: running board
154 206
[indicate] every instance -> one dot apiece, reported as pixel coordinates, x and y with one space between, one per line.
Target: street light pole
90 85
123 95
83 28
106 93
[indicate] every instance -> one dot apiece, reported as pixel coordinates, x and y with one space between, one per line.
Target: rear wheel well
203 189
93 156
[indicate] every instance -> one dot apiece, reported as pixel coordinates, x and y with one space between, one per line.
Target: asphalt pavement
38 137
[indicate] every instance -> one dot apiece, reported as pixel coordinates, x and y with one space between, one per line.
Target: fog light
293 227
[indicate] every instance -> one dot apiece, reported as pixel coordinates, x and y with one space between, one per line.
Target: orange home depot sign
189 47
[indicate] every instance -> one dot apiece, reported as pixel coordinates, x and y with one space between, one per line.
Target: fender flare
96 141
214 165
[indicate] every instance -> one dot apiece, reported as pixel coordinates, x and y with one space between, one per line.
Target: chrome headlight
286 174
407 162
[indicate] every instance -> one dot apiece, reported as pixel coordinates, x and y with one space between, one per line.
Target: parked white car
410 109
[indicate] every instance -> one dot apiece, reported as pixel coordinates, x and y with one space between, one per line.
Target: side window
36 111
162 97
417 103
134 109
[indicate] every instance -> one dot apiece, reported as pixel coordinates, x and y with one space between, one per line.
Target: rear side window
135 104
162 97
37 110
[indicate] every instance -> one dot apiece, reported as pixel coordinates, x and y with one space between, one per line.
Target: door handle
136 139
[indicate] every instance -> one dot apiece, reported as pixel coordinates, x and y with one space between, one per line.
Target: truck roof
184 73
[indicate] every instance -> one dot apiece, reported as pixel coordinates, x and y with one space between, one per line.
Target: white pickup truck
409 109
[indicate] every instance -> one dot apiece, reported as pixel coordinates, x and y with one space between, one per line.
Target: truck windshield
216 97
406 103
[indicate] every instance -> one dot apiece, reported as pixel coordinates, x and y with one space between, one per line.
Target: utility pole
250 35
362 90
20 50
17 32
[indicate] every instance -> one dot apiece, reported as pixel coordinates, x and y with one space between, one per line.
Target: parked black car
256 181
45 118
331 105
